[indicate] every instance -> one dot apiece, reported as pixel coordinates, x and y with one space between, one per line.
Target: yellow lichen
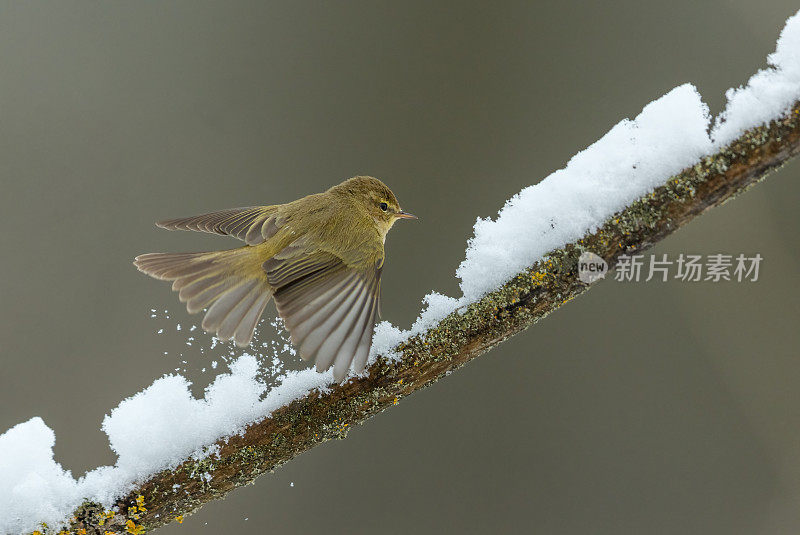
538 276
131 527
105 516
179 519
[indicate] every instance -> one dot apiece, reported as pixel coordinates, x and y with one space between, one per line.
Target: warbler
318 258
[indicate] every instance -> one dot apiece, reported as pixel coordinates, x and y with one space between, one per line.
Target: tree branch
521 302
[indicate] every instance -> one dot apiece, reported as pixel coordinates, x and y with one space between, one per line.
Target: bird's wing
328 306
252 224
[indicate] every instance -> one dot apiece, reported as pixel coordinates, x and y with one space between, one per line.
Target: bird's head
376 199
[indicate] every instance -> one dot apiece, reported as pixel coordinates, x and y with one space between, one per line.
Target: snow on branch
642 181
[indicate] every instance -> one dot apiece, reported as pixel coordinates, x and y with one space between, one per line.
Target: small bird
319 258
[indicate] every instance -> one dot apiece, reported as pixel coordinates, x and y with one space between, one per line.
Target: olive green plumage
319 258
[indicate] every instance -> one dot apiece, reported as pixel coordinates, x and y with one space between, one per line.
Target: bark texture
518 304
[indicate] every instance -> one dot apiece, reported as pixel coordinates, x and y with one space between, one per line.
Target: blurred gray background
639 408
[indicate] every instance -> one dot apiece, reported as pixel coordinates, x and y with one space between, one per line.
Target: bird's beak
405 215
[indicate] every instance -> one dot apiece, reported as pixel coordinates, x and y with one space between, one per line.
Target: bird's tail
231 284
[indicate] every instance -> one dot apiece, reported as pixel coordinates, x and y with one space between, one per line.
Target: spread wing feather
252 224
327 306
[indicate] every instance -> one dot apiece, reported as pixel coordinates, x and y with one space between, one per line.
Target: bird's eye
383 206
